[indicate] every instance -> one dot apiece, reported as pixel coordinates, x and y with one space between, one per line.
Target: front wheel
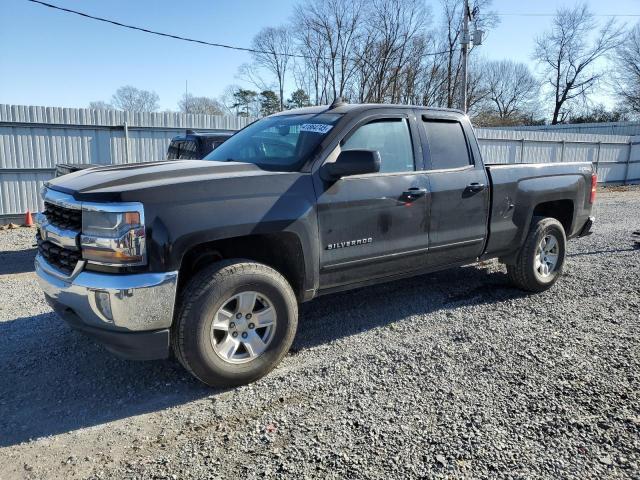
236 322
540 260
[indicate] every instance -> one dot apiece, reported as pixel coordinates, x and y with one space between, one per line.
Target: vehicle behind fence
33 140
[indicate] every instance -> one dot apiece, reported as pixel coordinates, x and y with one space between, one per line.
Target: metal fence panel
117 118
611 172
608 128
19 192
34 139
613 155
634 172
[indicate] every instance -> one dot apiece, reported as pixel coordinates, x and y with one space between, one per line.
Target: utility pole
465 54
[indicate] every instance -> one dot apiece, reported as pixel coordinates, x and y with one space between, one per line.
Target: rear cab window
447 144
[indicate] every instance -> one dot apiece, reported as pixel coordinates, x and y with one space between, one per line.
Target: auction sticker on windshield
316 128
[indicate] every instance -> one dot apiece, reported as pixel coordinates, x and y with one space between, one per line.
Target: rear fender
535 191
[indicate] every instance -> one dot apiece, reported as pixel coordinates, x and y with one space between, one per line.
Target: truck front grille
62 259
61 217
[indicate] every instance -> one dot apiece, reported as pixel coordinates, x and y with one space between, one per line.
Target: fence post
126 143
626 167
522 150
562 151
598 156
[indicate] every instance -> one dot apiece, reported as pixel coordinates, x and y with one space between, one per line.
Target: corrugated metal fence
34 139
615 157
607 128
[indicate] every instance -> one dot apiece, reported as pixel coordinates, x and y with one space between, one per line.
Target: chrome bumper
118 302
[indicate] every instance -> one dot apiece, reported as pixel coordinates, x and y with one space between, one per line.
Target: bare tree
477 91
309 72
371 51
451 31
251 73
627 72
200 105
386 47
135 100
431 78
227 100
569 58
275 47
512 90
334 24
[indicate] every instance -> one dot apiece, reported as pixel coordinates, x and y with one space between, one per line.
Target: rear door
375 225
459 190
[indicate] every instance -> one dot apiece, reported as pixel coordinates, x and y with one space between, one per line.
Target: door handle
414 193
476 187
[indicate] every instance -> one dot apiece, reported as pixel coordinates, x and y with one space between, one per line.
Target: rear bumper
586 229
130 314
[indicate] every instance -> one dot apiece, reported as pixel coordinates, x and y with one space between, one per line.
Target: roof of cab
193 134
358 107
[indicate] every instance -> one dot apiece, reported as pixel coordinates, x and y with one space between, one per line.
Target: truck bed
517 191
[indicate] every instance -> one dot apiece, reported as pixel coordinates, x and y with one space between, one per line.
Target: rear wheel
540 260
236 322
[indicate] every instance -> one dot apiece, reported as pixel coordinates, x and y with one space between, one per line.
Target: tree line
398 51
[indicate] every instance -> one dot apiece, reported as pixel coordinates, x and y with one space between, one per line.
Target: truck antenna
338 102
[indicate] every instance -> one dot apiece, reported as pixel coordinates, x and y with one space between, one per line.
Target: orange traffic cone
28 220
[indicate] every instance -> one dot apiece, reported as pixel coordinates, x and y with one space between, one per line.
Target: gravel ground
450 375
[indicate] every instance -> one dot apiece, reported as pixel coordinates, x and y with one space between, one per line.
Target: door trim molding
388 256
457 244
391 256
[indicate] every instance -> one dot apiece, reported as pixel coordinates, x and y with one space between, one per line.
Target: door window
447 145
391 138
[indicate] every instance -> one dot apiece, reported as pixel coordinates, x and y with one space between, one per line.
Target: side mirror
352 162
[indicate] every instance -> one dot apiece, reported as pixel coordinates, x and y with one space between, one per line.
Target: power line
553 15
202 42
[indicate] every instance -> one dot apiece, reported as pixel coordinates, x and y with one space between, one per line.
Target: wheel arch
282 251
562 210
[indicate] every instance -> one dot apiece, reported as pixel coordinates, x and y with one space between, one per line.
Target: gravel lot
450 375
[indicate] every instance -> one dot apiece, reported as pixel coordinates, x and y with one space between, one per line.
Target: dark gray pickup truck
210 258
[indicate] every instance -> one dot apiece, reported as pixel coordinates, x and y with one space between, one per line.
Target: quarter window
447 145
391 138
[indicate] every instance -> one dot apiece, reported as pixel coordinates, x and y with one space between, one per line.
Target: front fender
232 209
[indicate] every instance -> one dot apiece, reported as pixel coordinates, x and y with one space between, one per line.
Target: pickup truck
190 146
209 259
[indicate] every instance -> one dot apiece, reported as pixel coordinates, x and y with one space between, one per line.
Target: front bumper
131 314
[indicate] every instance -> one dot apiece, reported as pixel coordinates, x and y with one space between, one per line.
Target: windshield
282 143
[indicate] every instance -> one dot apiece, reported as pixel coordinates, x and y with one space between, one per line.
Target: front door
375 225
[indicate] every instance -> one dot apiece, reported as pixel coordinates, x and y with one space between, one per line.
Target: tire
528 273
205 350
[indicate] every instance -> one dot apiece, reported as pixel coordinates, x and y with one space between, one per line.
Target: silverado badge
349 243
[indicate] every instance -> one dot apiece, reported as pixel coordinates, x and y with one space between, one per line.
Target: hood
114 180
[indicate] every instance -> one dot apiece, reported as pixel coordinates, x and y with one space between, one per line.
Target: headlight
113 235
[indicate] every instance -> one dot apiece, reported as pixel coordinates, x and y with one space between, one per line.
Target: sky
53 58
